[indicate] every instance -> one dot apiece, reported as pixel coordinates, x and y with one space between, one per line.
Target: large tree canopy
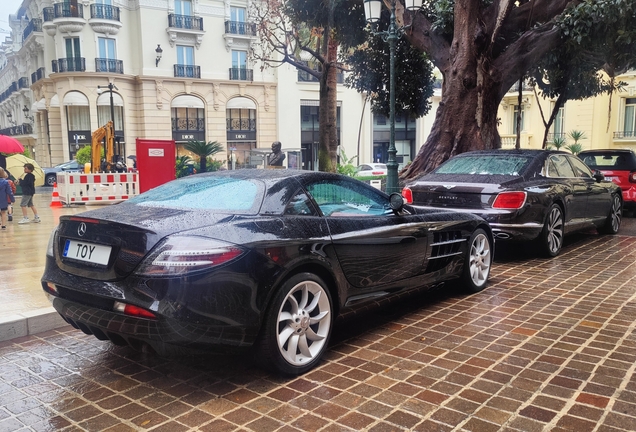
482 47
307 34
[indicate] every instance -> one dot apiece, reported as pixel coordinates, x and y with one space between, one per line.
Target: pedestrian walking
28 190
13 190
6 198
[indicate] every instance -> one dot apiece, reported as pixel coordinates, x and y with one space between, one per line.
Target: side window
558 166
580 168
339 198
300 205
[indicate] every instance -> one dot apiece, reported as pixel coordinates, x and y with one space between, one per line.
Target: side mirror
598 176
396 201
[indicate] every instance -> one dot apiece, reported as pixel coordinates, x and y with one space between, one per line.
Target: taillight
632 177
377 172
510 200
407 193
132 310
178 256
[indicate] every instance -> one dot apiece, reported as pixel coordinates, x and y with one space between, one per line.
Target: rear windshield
609 161
220 194
485 164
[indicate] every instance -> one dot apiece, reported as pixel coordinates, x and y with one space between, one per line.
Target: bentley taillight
407 193
510 200
632 177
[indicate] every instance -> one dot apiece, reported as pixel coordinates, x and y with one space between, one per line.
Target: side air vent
445 246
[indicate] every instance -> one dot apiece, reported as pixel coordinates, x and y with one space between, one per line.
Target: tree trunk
481 61
328 132
465 120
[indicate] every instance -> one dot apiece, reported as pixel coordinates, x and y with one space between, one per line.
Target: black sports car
523 194
252 257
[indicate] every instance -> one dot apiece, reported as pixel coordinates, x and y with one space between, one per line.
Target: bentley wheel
477 263
613 221
297 326
551 237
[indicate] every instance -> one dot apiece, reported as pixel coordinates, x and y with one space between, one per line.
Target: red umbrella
10 145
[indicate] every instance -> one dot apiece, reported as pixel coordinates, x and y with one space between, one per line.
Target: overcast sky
7 7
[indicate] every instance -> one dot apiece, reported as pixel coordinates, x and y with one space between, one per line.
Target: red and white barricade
75 188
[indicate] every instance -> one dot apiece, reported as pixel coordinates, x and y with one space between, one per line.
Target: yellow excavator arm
107 134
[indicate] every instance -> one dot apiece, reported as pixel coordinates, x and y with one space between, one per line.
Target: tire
478 261
613 221
297 326
50 180
551 238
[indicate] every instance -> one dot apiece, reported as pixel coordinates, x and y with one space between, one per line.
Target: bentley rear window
485 164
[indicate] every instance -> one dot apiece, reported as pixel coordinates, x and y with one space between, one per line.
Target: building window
79 118
72 47
514 119
185 55
629 122
239 59
183 7
237 14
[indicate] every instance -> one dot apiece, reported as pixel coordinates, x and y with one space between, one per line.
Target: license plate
89 252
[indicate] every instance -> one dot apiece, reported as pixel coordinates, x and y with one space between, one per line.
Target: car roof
606 151
521 152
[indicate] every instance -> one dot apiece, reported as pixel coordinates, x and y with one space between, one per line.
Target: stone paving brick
549 345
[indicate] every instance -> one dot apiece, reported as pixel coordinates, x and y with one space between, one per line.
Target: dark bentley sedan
263 258
523 194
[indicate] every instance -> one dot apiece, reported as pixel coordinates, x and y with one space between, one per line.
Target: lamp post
110 87
372 10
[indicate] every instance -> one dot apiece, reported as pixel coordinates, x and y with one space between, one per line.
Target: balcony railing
552 136
240 124
104 11
185 22
240 28
34 25
23 83
74 64
188 124
241 74
625 134
23 129
109 65
68 10
48 14
187 71
37 75
304 76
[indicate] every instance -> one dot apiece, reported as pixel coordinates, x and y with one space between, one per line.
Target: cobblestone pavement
549 345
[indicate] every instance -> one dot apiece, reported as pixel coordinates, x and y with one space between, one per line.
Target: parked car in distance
371 169
536 195
618 166
261 258
50 174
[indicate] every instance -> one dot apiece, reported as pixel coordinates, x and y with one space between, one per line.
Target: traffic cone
55 198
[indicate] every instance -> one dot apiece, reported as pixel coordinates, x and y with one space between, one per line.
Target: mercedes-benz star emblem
81 229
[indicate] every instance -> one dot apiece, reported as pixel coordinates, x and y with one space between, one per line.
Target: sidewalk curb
29 323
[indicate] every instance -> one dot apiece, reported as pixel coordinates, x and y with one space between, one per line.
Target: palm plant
182 166
203 150
557 143
576 136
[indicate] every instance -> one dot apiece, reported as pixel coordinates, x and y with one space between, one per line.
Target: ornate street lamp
110 87
372 10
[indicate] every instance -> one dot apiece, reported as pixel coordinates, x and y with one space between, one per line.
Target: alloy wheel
555 230
479 259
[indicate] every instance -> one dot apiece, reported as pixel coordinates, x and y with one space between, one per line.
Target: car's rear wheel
478 261
551 237
50 180
613 221
297 326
